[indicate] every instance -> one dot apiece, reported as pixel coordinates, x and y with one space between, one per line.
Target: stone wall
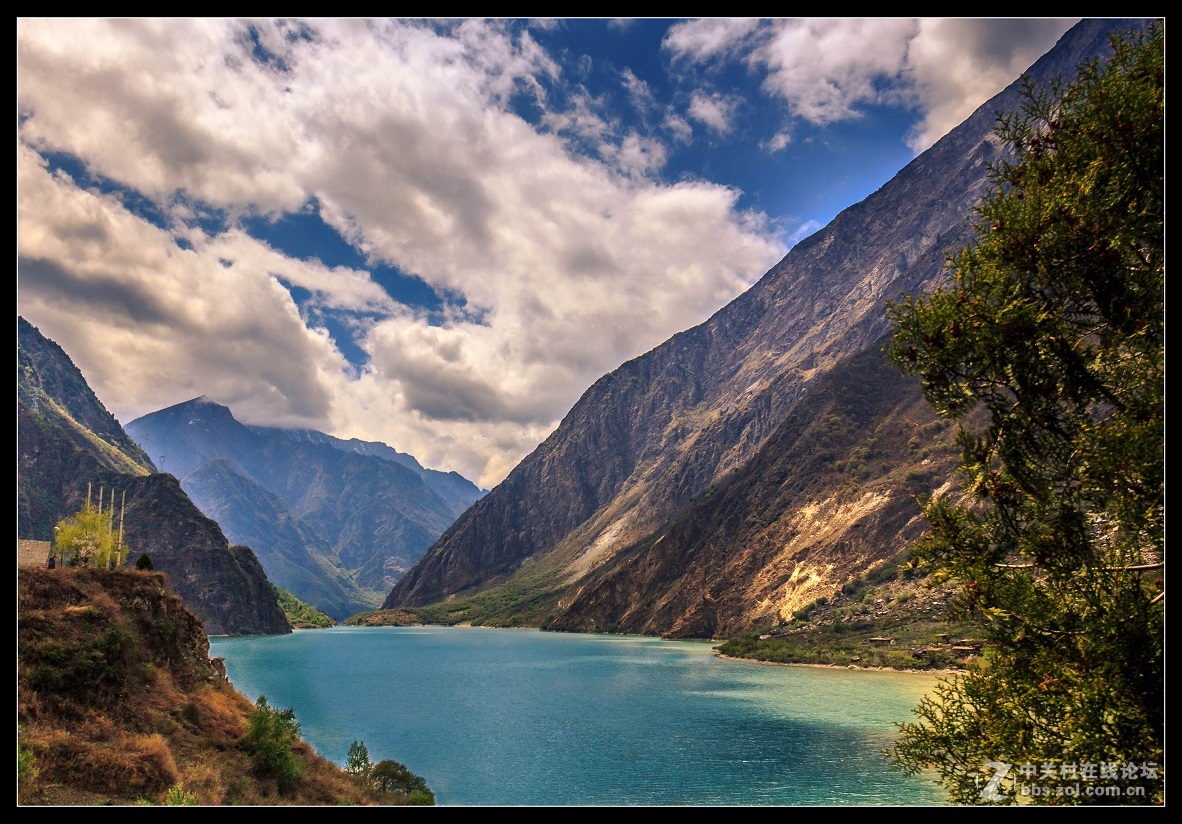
32 553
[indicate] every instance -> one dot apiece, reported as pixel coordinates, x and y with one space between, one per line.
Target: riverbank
894 642
936 672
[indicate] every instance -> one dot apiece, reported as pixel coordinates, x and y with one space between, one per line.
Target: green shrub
178 796
26 764
394 777
100 665
271 733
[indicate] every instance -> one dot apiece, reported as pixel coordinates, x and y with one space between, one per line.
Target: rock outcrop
119 703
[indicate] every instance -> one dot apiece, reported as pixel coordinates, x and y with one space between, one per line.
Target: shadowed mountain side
830 496
450 486
63 433
644 440
58 456
652 434
379 516
295 556
225 586
48 373
374 514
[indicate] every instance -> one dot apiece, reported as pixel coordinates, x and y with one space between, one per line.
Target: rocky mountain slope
118 703
67 440
625 516
295 556
334 522
62 429
452 487
830 496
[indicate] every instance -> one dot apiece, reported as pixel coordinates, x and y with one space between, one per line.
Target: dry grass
118 702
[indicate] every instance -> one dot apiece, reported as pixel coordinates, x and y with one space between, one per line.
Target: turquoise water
521 717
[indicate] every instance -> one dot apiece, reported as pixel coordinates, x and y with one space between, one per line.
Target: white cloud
710 37
957 65
639 155
151 324
713 110
639 93
405 140
581 119
682 131
826 70
777 142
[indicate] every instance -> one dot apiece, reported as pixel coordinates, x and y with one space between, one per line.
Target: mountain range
752 464
335 522
69 447
723 481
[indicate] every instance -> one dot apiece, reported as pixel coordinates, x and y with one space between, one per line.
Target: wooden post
119 546
111 523
88 483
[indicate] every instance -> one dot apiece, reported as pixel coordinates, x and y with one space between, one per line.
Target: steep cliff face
224 585
830 496
295 556
334 522
64 432
647 439
59 456
48 375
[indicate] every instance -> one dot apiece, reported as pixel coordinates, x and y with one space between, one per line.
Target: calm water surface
522 717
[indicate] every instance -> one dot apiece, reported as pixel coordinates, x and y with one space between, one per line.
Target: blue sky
438 234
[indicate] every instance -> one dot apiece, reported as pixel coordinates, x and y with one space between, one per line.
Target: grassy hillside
119 703
299 614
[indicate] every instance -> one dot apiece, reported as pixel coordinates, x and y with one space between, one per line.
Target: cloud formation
958 64
404 136
714 110
828 70
548 214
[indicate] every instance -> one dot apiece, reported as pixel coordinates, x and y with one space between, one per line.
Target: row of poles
111 521
122 507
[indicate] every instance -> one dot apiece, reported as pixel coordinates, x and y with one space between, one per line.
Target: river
504 717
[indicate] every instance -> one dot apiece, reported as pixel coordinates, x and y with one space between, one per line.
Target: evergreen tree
270 736
1051 328
357 762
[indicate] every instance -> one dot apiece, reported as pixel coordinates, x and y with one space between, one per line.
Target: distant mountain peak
334 522
201 402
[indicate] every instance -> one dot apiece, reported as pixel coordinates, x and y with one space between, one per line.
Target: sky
439 233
